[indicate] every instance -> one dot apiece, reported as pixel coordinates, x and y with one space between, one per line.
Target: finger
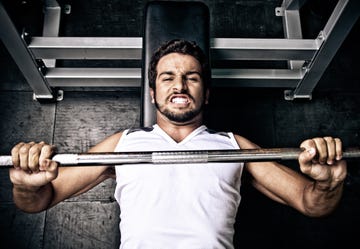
24 155
51 168
322 149
309 152
338 148
305 159
331 150
50 165
47 151
15 155
34 153
308 144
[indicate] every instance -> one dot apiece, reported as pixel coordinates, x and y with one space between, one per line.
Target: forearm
320 200
33 200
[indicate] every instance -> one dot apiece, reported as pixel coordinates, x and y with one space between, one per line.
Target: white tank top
190 206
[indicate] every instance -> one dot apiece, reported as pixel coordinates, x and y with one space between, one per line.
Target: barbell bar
171 157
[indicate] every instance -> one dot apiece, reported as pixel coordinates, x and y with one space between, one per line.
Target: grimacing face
180 94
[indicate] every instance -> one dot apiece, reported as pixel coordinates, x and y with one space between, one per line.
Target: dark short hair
182 47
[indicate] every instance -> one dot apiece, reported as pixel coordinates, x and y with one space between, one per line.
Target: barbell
184 157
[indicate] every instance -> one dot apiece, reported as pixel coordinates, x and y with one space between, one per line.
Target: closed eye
193 76
193 79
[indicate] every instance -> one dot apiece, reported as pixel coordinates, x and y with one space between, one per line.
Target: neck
178 131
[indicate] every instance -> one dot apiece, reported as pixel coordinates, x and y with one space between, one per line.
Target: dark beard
181 117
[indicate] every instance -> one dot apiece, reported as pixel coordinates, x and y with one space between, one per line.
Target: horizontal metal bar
105 48
181 157
125 48
94 77
131 77
265 78
257 74
263 49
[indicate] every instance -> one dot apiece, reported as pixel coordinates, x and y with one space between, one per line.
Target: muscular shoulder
244 143
108 144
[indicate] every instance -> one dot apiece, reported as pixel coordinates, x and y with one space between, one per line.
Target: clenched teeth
178 100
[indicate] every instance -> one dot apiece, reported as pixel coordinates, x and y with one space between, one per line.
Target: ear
152 95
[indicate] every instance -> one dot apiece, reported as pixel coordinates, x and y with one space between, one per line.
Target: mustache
184 92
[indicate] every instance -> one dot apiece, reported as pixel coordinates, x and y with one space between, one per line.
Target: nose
180 83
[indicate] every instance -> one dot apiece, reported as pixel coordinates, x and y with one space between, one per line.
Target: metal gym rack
307 58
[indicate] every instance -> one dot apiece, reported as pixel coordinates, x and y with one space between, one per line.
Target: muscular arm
39 184
282 184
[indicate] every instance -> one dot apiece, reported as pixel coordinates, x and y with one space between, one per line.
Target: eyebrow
172 73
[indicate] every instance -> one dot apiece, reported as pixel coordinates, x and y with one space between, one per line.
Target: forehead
177 61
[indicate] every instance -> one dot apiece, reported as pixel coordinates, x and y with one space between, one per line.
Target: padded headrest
164 21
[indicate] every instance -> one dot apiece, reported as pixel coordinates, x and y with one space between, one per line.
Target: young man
177 205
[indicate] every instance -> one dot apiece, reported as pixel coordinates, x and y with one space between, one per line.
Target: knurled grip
179 157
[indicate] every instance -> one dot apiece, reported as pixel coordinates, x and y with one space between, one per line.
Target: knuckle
46 151
34 149
46 148
15 150
329 139
317 141
24 149
321 141
307 143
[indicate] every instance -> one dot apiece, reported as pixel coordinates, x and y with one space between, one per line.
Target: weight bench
164 21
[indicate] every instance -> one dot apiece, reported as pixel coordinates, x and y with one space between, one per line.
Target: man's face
179 90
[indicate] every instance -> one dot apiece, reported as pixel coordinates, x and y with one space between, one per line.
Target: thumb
307 156
50 167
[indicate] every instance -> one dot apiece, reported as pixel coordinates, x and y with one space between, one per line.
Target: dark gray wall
84 118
